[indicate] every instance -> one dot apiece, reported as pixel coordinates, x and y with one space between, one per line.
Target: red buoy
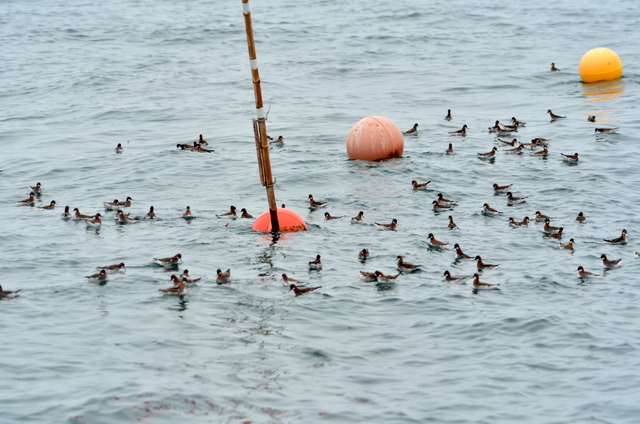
289 221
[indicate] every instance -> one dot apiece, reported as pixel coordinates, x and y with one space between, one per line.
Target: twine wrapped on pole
260 124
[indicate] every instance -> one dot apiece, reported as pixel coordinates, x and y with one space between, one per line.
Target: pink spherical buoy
290 221
375 138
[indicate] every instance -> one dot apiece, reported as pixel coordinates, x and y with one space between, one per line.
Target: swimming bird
513 200
489 155
29 201
363 254
116 204
448 117
187 213
178 290
7 294
202 141
591 118
582 273
568 245
358 218
184 146
495 127
94 222
505 131
581 218
245 214
50 206
448 277
306 290
460 254
481 265
479 285
279 142
314 204
316 263
112 269
412 131
557 235
66 214
441 199
488 210
540 217
451 224
421 186
405 266
610 263
369 277
449 150
523 223
548 228
329 217
607 130
433 242
515 151
119 148
540 141
151 214
387 279
168 262
223 277
509 143
570 158
543 152
553 67
37 189
288 281
78 215
101 276
233 213
637 255
125 219
187 278
618 240
461 132
198 148
391 226
532 146
554 116
440 207
500 189
514 121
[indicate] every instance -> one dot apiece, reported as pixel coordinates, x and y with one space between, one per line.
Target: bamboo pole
260 124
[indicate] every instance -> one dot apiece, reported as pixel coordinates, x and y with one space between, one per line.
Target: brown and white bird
433 242
405 266
488 210
554 116
570 158
448 117
618 240
419 186
448 277
479 285
412 131
460 132
223 277
316 264
306 290
607 130
245 214
500 189
288 281
451 224
481 265
233 213
329 217
391 226
314 204
489 155
581 218
610 263
7 294
553 67
582 273
171 261
176 290
101 276
460 254
358 218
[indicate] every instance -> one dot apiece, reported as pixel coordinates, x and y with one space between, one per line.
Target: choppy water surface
78 77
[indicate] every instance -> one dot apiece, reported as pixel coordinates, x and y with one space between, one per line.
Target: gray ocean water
78 77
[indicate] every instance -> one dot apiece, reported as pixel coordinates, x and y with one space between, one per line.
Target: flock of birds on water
440 204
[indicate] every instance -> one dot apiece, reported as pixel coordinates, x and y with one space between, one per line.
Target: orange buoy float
290 221
375 138
600 64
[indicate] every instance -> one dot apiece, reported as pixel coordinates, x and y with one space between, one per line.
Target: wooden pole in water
260 124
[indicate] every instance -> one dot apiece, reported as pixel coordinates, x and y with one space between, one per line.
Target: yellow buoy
599 65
